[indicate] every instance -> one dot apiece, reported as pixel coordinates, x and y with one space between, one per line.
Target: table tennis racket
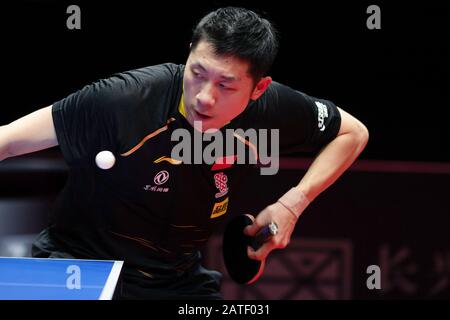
240 267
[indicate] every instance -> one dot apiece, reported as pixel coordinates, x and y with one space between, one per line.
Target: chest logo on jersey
220 180
159 179
220 208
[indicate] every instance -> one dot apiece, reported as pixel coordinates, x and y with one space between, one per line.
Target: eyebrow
226 78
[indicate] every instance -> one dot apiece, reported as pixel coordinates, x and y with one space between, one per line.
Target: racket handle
263 235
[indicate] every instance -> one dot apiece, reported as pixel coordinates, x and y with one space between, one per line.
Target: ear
261 86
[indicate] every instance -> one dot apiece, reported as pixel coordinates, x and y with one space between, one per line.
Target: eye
196 74
225 87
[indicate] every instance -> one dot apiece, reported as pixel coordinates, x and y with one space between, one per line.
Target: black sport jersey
149 209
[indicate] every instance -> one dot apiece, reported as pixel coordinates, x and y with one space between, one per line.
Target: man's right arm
30 133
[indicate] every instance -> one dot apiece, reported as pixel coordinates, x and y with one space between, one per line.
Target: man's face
216 88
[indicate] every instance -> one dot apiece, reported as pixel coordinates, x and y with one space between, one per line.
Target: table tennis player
155 211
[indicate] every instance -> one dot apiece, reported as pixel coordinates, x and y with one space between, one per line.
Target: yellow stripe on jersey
181 108
148 137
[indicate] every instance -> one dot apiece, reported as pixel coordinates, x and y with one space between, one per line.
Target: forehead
228 66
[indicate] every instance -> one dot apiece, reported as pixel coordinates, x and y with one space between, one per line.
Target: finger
264 251
253 228
261 253
261 220
251 253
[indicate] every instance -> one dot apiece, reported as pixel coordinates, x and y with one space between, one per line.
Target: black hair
240 33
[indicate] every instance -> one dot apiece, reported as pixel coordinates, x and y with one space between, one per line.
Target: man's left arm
330 163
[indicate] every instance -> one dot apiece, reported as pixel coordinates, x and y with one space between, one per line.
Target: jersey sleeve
111 113
305 123
82 122
91 119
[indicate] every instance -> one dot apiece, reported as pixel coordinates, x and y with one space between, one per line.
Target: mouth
201 116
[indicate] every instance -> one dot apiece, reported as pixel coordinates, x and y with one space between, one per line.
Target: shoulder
278 90
157 75
279 97
135 85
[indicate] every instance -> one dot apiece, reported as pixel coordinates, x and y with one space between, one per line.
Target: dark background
395 80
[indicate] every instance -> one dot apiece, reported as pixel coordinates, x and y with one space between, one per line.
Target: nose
206 97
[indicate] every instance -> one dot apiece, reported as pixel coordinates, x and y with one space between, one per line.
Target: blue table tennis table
58 279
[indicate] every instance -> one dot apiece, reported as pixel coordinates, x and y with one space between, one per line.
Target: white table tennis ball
105 160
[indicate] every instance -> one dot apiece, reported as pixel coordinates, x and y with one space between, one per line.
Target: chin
206 127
